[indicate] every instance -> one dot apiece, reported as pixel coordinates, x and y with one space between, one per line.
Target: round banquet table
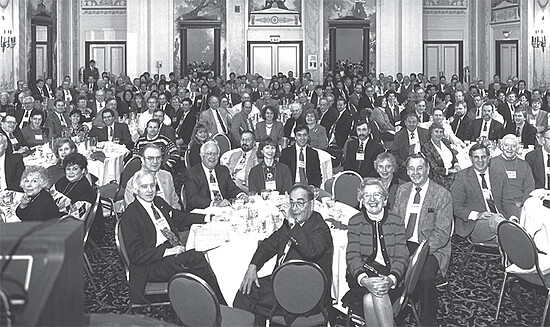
106 171
230 241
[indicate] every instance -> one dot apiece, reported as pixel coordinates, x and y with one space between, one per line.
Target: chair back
223 142
417 261
299 286
90 217
130 168
183 198
517 245
119 241
344 187
186 159
194 301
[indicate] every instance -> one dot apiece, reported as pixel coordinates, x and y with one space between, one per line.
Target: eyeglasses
298 204
153 158
376 196
210 154
11 122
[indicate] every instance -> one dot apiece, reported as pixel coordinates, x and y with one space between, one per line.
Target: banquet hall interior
114 60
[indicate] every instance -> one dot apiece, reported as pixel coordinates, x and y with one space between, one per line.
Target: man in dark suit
69 93
185 121
232 98
362 151
304 235
481 198
294 120
341 128
523 91
12 166
38 90
91 70
523 129
368 100
57 120
16 140
241 122
427 209
165 129
461 120
356 96
539 160
149 228
485 126
210 184
166 107
112 130
507 109
302 159
328 115
201 99
408 141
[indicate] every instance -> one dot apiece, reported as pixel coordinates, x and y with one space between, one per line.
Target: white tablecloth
229 249
7 211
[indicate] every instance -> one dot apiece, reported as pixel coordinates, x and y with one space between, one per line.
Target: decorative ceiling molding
444 12
103 7
445 4
103 12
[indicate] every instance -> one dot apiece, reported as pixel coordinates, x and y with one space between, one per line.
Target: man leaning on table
481 198
304 235
210 184
149 228
151 161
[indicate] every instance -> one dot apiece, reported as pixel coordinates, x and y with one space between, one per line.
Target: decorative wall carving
93 4
274 17
258 6
444 12
446 4
504 11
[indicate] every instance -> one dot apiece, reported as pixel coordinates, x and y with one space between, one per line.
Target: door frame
460 56
184 26
497 55
42 19
349 22
300 55
88 44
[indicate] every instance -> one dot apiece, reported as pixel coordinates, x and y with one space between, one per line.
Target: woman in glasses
376 255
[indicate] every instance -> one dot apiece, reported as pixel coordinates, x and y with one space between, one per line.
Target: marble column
312 22
236 37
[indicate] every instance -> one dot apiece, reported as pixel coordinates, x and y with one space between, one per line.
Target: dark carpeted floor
474 294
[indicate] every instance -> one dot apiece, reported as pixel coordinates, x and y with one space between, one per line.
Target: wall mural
199 9
42 7
255 5
504 11
334 9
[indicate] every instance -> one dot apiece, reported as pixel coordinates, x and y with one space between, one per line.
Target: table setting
9 200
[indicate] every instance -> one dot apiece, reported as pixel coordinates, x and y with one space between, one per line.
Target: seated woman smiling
37 203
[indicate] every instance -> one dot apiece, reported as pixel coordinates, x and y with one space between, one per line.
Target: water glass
265 194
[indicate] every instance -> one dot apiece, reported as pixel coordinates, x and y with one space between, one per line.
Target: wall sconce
7 40
506 34
539 40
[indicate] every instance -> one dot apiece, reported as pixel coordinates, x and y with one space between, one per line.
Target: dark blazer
276 131
139 235
289 125
528 133
504 110
283 180
400 146
197 190
436 217
120 131
169 132
88 71
18 135
536 161
14 168
54 124
461 132
437 167
239 125
328 119
474 130
313 166
468 196
185 131
42 208
342 129
365 102
310 242
365 168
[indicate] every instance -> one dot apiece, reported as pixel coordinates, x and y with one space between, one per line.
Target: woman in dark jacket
270 174
37 203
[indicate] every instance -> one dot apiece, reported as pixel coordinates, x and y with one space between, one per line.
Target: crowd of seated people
403 136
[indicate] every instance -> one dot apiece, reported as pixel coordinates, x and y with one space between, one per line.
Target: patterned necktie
413 216
412 144
222 123
361 148
212 178
250 124
518 131
490 201
457 124
485 126
110 133
216 193
171 236
302 170
240 164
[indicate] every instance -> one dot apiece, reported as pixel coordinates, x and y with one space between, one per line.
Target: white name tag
38 137
359 156
270 185
487 194
302 164
511 174
415 208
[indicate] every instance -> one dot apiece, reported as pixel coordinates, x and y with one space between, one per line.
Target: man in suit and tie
460 121
242 121
149 228
392 109
341 129
523 91
356 96
16 140
201 99
11 167
485 126
362 151
38 90
328 115
185 122
507 109
481 88
210 184
165 129
510 86
427 209
166 107
68 92
215 118
294 120
91 70
481 198
97 104
112 130
241 161
58 120
521 128
24 116
304 235
539 160
232 98
302 159
368 100
408 141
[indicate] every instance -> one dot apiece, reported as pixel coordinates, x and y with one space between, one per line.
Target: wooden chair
344 187
196 304
520 250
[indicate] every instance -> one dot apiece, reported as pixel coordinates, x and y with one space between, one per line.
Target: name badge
38 137
487 194
214 187
302 164
270 185
415 208
359 156
511 174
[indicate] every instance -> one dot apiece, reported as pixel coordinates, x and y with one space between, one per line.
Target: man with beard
241 161
485 126
361 152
